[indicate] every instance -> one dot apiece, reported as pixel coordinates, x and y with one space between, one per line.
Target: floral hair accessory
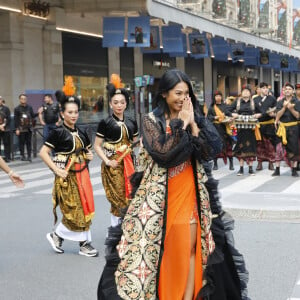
69 88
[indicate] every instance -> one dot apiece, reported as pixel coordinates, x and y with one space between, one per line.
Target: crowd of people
169 237
24 121
266 129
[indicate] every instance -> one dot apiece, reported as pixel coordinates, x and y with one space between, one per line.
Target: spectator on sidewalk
24 118
49 115
5 129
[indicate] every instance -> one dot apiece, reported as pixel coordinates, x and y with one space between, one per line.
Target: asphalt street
29 269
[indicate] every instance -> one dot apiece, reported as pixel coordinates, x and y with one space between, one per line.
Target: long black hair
167 82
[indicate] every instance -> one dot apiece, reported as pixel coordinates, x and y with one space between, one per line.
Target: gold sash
281 132
257 132
271 121
219 113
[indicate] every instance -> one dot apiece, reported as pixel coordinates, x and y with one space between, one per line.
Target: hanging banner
198 45
154 41
292 64
172 39
284 63
296 22
274 60
221 48
281 20
184 46
113 31
138 32
237 52
264 60
263 12
251 55
244 12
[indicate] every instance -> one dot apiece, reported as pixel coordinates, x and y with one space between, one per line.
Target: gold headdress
69 88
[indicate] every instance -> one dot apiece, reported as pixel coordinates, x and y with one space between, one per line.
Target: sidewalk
261 196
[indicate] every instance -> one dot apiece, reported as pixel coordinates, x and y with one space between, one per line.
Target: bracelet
10 173
107 163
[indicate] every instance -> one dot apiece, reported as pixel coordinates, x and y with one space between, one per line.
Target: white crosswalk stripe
39 180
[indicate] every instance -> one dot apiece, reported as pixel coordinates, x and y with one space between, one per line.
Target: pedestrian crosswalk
39 180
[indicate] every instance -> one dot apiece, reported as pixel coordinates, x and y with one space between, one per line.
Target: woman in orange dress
167 249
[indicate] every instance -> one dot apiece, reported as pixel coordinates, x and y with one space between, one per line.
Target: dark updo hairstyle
116 87
113 91
67 95
63 100
167 82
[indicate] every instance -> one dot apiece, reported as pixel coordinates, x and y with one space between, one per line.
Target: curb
273 215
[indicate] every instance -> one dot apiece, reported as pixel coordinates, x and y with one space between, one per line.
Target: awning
169 13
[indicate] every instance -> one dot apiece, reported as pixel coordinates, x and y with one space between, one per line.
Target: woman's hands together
187 112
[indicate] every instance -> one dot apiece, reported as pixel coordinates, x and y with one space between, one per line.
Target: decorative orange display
116 80
69 88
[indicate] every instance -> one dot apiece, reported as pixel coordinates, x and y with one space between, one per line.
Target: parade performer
266 147
14 177
297 94
114 136
288 113
175 243
217 114
245 149
72 189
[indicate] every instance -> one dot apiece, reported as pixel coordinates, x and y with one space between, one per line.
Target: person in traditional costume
217 115
244 109
176 243
113 143
14 177
266 147
72 190
297 95
286 123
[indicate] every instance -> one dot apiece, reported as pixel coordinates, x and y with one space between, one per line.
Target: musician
245 148
297 94
266 147
114 135
288 113
217 114
72 189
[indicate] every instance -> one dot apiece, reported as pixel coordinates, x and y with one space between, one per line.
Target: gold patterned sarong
68 198
113 178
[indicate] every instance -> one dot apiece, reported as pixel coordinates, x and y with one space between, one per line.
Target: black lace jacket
169 150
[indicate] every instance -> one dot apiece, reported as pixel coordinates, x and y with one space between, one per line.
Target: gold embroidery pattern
139 248
113 178
68 198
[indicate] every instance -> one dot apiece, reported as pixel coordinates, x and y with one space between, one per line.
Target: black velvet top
212 113
110 129
263 104
62 139
287 115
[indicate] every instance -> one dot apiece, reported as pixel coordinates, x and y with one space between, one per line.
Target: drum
245 122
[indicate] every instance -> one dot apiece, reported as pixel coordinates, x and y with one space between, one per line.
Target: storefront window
91 91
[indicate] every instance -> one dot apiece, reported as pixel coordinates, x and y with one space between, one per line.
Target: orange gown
181 212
